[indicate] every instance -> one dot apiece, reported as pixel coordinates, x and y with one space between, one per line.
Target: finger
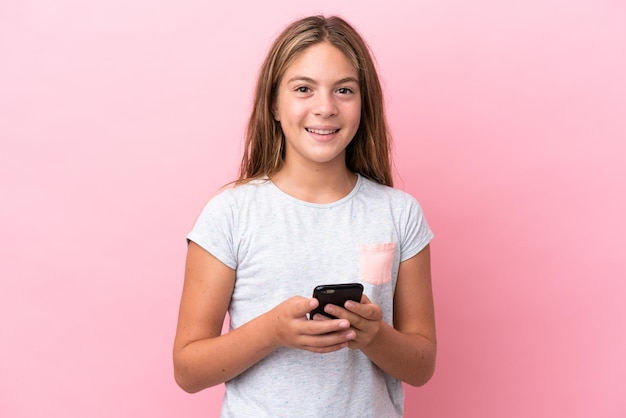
322 325
356 321
352 305
332 339
320 317
336 311
304 305
367 310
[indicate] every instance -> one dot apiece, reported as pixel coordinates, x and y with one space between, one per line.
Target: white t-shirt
281 247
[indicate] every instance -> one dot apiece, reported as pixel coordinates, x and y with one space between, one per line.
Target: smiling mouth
322 131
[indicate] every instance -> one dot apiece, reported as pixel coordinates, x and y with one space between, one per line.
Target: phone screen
335 294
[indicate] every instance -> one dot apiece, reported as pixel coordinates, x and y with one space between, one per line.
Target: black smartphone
336 294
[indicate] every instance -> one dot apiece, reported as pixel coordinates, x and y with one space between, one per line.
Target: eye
303 89
345 90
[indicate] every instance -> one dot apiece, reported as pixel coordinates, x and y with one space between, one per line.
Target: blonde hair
369 151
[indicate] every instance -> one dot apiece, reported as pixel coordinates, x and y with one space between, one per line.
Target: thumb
304 305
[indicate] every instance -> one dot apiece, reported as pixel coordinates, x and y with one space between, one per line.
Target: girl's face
318 106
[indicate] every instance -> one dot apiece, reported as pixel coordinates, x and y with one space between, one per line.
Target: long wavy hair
369 152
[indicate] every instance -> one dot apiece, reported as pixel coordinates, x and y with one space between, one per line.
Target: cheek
355 115
292 113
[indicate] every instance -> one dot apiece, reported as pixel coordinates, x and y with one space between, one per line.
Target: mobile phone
336 294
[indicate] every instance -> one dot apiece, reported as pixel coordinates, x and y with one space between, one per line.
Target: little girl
313 204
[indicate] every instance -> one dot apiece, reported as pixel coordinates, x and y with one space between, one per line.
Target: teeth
322 131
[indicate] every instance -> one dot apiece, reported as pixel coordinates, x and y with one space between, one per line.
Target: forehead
321 61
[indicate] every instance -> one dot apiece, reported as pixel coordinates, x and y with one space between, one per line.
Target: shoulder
377 191
401 206
228 206
238 193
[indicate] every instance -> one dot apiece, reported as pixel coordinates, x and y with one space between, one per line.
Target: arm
407 350
203 357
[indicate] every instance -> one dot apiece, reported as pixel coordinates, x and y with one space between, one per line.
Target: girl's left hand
365 319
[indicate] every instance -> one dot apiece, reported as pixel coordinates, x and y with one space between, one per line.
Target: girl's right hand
289 327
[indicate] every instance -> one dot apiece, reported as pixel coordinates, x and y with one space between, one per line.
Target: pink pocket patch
375 262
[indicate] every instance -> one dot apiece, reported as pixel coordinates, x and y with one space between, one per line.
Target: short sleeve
214 229
417 234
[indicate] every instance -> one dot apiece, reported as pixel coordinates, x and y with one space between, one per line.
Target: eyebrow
311 81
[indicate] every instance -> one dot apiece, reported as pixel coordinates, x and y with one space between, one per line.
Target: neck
317 184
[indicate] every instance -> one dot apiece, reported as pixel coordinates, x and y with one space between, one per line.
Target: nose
325 105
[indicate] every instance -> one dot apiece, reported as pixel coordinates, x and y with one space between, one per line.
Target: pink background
118 120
